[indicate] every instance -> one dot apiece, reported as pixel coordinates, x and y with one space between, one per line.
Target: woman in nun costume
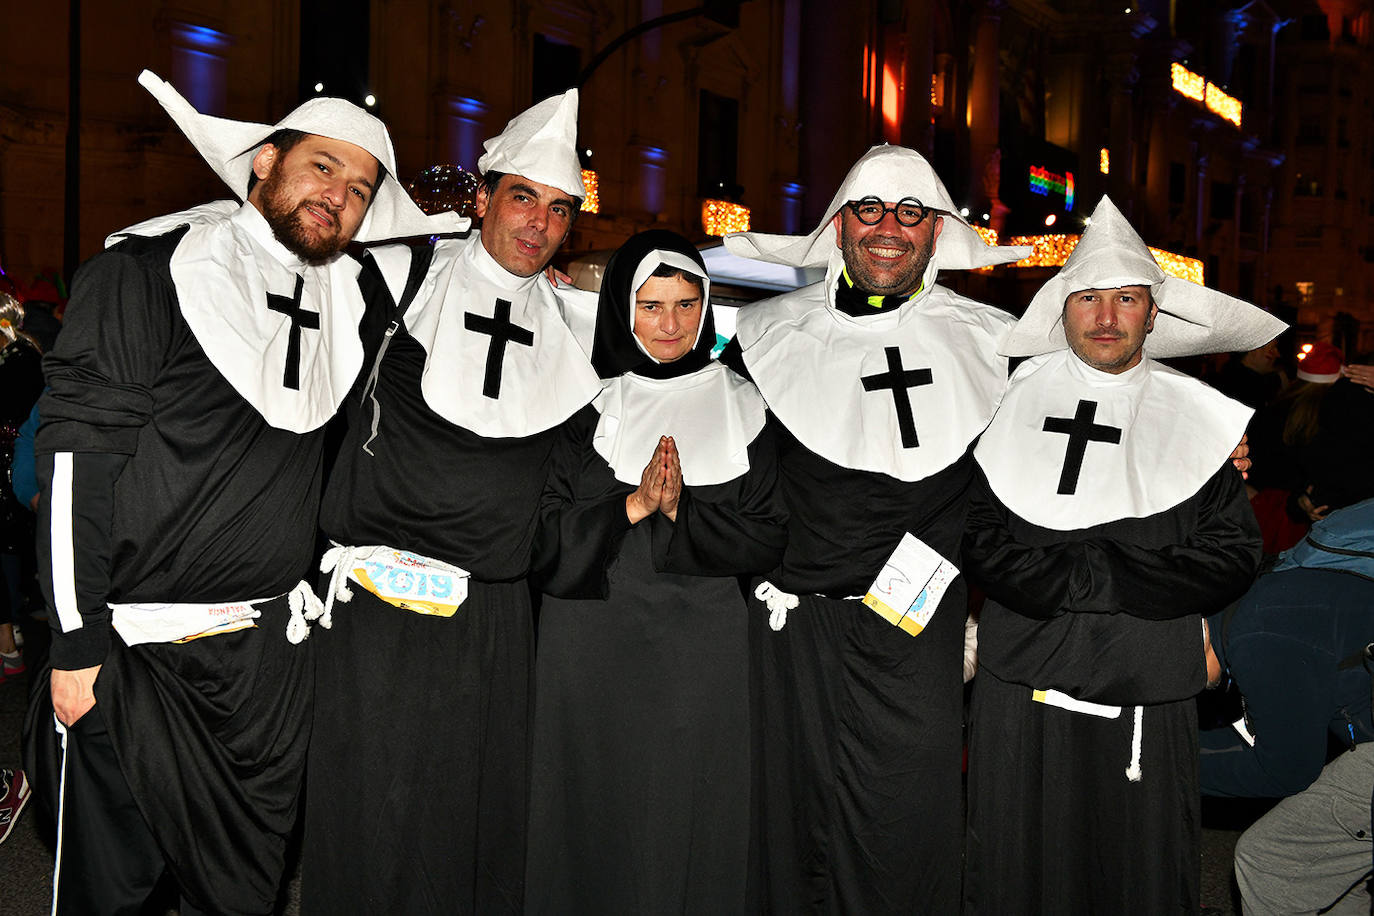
640 800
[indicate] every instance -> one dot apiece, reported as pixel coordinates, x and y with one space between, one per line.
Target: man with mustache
418 769
180 464
1105 523
877 380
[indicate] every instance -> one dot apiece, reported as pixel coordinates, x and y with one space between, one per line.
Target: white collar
542 380
810 362
1172 434
712 413
224 269
1096 378
250 220
490 268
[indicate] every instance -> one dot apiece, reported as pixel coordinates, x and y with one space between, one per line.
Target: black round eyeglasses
870 211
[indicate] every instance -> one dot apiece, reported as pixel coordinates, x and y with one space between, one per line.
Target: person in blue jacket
1295 646
23 479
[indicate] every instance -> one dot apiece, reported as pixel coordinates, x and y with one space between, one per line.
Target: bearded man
180 461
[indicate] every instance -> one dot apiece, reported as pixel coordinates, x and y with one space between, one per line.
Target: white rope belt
337 561
779 603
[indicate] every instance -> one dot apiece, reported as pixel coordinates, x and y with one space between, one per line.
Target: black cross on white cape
499 360
282 332
902 393
1073 447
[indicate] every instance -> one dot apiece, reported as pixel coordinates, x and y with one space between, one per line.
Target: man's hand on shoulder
73 693
1240 457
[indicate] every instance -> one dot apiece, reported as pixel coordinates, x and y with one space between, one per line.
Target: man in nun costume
877 380
1106 521
180 463
418 768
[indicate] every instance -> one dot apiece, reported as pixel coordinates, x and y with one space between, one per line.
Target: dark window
1311 130
1178 183
1248 216
717 146
1314 28
555 67
1307 186
1223 200
1245 281
1244 79
334 49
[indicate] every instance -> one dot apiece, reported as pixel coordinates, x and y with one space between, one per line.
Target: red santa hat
1322 364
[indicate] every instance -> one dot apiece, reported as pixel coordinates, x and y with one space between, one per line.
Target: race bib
148 622
412 582
911 584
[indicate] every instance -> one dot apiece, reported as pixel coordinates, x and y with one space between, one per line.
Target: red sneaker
13 798
11 667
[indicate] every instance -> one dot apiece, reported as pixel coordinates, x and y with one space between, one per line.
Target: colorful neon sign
1043 181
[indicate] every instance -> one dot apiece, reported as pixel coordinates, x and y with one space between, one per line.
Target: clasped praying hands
660 486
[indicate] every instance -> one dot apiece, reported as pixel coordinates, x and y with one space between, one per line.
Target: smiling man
1106 522
877 380
180 462
418 768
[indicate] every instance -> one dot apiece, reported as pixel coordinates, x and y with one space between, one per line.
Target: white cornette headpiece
1192 319
540 143
229 147
890 173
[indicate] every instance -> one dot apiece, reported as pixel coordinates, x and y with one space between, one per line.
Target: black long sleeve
160 482
1091 572
1067 612
736 528
100 375
581 515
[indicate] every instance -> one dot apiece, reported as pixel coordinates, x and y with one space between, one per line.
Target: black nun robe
1099 558
640 800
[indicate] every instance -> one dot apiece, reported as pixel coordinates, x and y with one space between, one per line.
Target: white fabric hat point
540 144
229 147
890 173
1192 319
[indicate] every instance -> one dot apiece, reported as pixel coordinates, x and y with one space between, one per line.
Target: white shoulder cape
578 308
500 361
810 362
1173 433
712 414
225 269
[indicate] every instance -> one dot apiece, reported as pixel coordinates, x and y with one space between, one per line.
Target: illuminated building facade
1323 242
1203 120
701 109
